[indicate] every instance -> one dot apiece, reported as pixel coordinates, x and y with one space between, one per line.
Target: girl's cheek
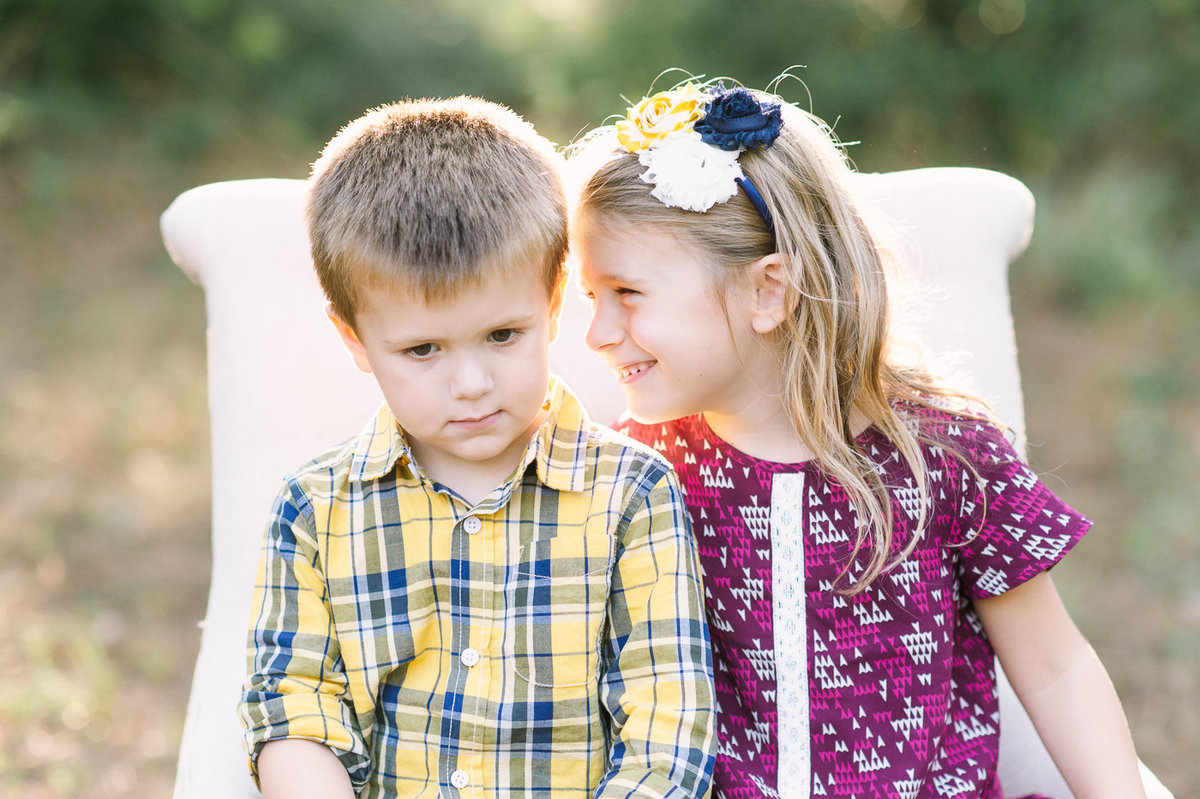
635 324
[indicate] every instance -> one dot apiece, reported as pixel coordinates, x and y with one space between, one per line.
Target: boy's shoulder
373 448
588 455
335 461
618 439
318 481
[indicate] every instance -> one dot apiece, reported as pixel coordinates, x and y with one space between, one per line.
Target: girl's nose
604 330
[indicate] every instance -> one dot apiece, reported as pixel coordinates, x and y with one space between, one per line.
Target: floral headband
689 141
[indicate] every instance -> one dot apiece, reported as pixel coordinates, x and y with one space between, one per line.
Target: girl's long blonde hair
835 346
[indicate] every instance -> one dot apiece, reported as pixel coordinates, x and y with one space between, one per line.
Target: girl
869 537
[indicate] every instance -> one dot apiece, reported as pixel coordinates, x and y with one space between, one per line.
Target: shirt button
459 779
472 525
469 656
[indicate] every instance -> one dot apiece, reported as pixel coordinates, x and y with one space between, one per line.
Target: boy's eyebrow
514 321
414 340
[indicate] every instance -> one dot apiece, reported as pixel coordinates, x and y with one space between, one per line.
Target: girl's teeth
631 370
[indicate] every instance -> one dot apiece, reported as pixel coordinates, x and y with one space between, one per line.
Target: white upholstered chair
281 390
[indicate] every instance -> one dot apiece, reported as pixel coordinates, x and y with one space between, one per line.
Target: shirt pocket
559 600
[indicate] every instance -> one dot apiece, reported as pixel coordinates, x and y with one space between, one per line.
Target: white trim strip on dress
790 624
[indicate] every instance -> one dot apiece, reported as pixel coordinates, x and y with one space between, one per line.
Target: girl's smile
659 324
627 374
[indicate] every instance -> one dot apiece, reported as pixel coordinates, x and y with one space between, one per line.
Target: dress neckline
743 458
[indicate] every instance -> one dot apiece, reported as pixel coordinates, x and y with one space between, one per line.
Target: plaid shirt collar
558 447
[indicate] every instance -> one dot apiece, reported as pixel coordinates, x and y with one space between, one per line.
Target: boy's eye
503 336
420 351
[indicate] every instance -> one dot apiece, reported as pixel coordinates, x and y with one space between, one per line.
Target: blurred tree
1033 88
990 81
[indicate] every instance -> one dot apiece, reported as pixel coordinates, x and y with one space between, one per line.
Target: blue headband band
758 202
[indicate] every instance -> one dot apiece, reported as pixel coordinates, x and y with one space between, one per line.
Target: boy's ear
556 307
771 296
350 339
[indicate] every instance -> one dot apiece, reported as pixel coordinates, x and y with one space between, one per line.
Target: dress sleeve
657 663
1010 525
297 687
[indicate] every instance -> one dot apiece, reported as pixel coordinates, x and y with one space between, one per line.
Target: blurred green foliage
993 80
1044 90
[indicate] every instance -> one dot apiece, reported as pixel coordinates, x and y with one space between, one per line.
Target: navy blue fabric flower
738 118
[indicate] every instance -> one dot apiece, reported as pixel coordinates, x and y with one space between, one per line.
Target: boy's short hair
432 194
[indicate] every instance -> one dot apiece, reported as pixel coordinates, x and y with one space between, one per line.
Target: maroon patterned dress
890 692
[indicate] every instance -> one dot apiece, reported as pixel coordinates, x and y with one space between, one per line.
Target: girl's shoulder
960 433
686 443
627 425
661 435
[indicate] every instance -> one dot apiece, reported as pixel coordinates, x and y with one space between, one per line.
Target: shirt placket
472 660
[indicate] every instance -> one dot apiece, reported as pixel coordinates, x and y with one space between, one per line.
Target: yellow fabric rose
660 115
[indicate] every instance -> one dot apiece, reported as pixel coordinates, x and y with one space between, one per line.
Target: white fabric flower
687 173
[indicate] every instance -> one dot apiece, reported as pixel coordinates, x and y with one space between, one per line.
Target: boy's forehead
489 296
434 284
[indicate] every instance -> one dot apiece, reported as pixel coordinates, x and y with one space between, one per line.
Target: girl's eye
420 351
627 292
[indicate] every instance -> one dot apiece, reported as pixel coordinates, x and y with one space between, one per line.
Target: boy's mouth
631 372
477 422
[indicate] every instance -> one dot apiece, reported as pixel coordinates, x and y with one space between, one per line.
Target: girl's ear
771 303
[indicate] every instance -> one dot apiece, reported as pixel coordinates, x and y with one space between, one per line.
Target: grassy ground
105 476
104 484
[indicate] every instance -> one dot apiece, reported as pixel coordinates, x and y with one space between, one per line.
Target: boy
482 594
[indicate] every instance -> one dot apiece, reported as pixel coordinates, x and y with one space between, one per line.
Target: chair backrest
282 389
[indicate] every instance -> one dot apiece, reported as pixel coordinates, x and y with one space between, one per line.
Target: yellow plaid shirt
548 641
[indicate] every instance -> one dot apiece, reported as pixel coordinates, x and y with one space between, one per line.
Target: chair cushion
282 389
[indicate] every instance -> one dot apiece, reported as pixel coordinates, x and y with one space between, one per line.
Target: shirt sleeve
1013 527
297 687
657 680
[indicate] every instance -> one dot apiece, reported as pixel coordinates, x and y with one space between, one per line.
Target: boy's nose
472 378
